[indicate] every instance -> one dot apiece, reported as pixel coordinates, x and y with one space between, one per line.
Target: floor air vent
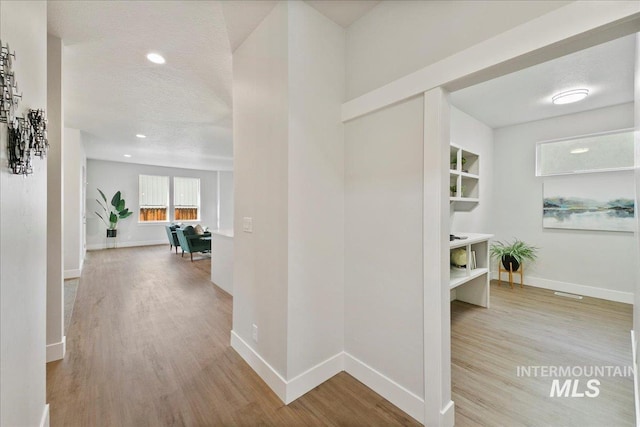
566 295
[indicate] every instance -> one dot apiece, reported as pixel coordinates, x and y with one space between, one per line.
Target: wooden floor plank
534 327
148 345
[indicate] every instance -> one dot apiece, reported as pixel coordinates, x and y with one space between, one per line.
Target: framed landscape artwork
595 201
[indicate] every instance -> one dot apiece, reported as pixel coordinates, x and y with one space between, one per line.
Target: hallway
148 345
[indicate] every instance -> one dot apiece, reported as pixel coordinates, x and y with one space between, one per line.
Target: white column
55 213
439 409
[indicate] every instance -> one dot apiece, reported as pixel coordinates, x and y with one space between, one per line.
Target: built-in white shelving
471 282
464 178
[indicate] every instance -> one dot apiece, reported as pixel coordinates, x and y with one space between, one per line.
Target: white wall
597 259
383 242
23 235
225 200
316 189
114 176
473 135
55 205
399 37
636 301
288 147
260 136
73 161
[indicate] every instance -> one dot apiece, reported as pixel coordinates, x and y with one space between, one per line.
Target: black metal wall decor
27 135
9 96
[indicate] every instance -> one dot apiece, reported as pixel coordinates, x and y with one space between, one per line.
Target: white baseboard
57 350
98 246
260 366
634 363
72 274
313 377
447 415
288 391
44 420
574 288
385 387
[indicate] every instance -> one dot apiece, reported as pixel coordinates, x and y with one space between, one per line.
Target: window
154 198
600 152
186 199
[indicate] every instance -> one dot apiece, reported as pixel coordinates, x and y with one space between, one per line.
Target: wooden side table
511 273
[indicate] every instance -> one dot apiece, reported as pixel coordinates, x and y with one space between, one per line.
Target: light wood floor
148 345
532 326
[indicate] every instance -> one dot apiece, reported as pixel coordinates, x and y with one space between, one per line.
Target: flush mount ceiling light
156 58
570 96
139 135
579 150
127 155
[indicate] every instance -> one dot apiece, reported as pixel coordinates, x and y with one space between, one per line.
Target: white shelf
468 175
465 199
471 238
457 279
467 181
471 285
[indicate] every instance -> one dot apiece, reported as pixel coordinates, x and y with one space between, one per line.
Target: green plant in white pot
113 213
513 254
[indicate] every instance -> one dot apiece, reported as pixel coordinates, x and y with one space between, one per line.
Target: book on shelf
474 264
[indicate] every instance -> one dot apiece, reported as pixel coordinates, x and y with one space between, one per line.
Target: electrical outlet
254 332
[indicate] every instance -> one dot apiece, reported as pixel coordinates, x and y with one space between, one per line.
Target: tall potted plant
513 254
113 213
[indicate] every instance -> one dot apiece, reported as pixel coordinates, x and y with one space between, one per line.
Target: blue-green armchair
173 236
191 242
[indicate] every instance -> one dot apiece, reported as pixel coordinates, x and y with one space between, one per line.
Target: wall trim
549 36
636 396
44 420
447 415
265 371
56 351
288 391
72 274
98 246
313 377
404 399
574 288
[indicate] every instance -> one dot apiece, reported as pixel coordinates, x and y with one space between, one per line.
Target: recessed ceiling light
579 150
570 96
139 135
156 58
127 155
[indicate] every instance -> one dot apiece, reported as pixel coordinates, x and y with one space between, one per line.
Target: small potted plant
454 191
454 162
114 213
513 254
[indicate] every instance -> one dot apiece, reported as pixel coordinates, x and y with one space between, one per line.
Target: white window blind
186 199
186 192
154 191
153 198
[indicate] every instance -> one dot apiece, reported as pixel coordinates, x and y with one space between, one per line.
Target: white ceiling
343 12
243 16
606 70
112 93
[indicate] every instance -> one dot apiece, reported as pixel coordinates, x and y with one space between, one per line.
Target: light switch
247 224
